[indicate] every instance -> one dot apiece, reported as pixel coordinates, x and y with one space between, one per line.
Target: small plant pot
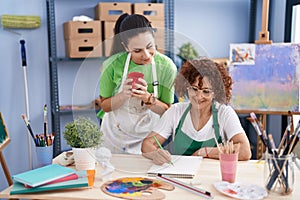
84 158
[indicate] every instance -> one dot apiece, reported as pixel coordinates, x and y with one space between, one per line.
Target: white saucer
241 191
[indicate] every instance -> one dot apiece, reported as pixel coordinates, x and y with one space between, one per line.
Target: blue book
43 175
19 188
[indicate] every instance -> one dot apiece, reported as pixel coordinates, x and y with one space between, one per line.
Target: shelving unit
56 61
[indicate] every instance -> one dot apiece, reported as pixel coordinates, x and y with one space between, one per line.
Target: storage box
107 11
107 45
83 47
153 11
108 34
82 29
108 29
159 34
160 45
159 28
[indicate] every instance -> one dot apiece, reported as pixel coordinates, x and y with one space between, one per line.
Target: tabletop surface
248 172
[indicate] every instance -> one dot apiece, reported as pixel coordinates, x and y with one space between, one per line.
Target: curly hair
216 73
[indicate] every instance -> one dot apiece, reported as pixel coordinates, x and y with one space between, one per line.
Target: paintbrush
285 135
259 130
28 126
45 124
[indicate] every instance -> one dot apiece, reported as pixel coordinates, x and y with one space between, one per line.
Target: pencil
195 190
157 142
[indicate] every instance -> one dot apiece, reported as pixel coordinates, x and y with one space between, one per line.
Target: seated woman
197 125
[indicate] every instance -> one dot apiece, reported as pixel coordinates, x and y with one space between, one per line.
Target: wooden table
249 172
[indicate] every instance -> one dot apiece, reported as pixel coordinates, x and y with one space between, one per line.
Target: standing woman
198 125
131 111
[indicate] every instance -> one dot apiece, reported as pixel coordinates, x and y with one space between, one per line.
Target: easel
263 39
264 33
4 141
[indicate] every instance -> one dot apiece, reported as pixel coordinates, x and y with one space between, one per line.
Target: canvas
268 80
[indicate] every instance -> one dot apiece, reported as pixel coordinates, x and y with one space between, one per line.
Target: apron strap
215 122
155 81
179 126
125 71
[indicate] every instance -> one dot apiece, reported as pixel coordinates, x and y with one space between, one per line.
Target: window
292 21
295 30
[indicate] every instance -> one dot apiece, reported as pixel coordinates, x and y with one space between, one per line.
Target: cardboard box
160 45
159 34
110 11
108 34
159 28
108 29
82 29
107 45
83 47
153 11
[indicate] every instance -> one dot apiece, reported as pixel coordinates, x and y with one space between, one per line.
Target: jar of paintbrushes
279 173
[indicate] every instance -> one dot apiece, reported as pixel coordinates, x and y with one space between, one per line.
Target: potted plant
187 52
84 136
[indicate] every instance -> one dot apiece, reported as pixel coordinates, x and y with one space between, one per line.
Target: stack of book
50 177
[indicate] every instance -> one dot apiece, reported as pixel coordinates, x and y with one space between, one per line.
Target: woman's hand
141 90
159 156
127 89
115 102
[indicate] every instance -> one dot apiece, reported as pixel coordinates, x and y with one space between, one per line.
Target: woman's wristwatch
151 100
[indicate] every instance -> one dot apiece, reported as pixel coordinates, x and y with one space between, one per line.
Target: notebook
183 167
66 178
43 175
19 188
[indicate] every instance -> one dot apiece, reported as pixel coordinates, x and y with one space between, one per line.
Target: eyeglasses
206 92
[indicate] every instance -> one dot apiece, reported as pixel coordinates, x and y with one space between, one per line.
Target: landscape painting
271 83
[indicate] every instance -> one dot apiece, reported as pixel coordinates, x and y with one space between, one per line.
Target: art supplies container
228 166
44 155
279 173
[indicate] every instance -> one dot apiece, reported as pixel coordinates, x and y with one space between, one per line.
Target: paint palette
136 188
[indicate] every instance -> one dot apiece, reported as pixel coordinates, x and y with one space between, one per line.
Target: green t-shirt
113 68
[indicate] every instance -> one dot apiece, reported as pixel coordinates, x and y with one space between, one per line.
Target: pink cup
228 165
135 76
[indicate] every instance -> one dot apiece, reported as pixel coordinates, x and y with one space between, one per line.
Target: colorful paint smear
133 186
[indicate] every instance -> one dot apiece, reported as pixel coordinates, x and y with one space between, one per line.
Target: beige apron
125 128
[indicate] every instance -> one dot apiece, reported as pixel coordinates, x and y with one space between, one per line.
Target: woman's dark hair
126 27
217 75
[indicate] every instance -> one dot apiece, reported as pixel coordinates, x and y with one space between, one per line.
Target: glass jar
279 173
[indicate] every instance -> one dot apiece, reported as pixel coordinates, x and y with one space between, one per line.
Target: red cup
135 78
228 165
